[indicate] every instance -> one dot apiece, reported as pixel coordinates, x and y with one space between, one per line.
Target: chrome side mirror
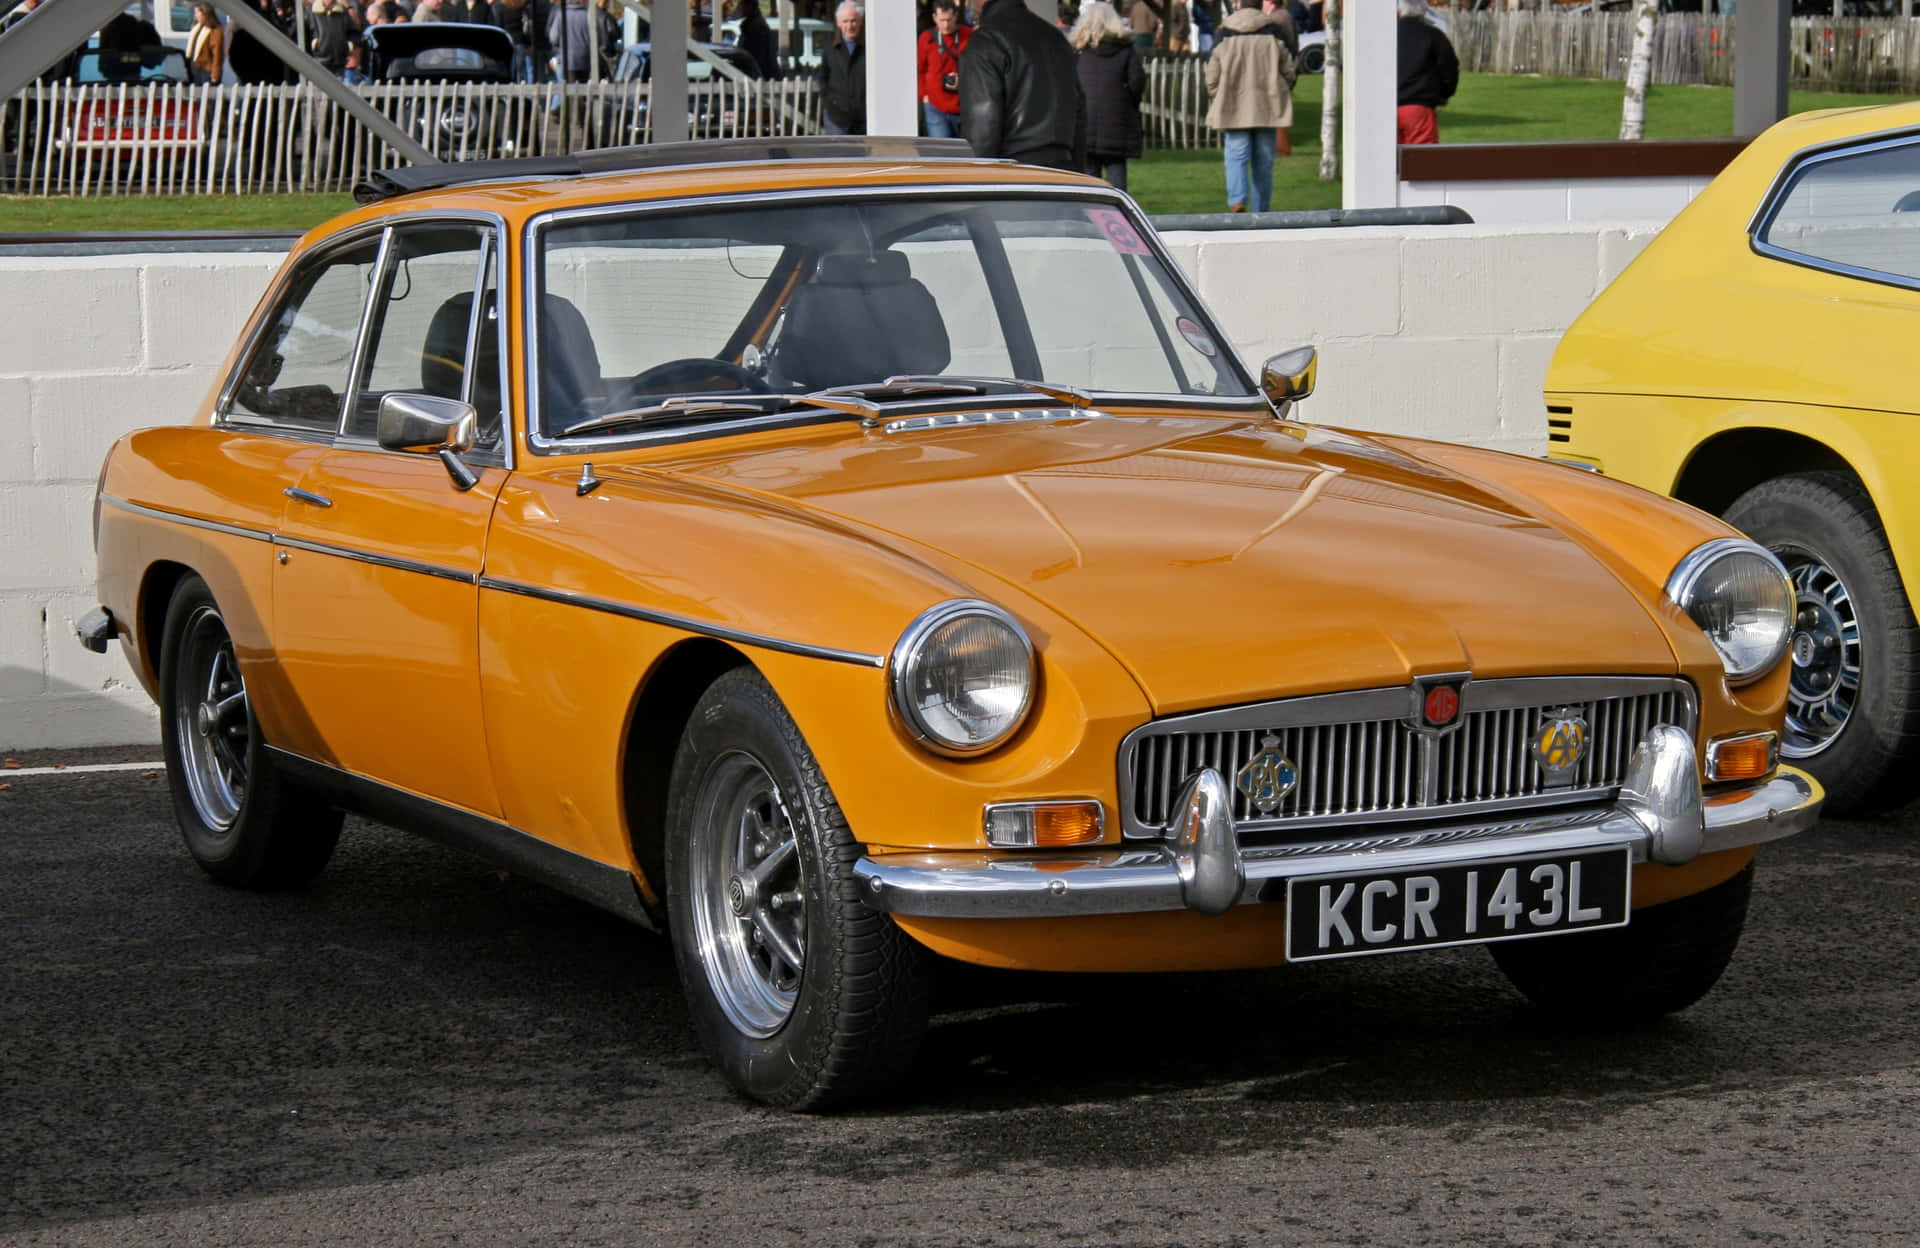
426 424
1288 377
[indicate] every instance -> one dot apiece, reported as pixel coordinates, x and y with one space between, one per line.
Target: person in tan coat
1250 83
207 45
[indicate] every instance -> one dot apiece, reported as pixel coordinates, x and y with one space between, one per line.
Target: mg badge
1436 703
1269 777
1561 741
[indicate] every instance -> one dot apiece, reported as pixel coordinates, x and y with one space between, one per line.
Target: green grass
1488 109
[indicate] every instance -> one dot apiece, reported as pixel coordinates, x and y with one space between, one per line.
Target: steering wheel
693 375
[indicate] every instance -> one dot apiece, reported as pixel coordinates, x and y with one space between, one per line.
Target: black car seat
569 365
861 318
443 363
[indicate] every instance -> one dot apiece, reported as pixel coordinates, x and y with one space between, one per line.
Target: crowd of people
991 72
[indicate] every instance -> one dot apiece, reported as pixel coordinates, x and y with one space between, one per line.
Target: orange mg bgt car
846 555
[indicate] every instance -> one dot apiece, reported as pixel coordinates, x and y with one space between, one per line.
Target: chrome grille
1359 760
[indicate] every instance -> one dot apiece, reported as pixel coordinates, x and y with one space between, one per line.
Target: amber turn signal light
1745 757
1045 825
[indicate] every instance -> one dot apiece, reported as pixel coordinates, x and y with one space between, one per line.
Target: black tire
1853 715
243 823
847 1025
1663 961
1313 60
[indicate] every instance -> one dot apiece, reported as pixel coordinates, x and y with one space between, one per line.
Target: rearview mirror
1288 377
430 425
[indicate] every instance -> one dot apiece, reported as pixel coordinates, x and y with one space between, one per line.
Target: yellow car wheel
803 995
1853 705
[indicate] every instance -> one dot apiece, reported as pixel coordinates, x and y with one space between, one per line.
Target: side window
1859 209
297 374
427 337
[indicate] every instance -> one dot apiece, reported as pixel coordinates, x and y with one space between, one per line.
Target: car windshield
154 64
791 299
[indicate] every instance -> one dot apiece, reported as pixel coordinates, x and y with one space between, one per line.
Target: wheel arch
157 587
1731 462
661 708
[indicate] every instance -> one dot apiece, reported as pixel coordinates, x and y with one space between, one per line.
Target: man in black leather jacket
1020 92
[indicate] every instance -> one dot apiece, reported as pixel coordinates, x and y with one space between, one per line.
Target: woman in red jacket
940 50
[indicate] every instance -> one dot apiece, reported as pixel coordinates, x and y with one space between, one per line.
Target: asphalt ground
421 1049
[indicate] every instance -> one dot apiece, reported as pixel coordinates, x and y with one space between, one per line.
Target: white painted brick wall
1440 332
100 346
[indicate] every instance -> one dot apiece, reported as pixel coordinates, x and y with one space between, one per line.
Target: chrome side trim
684 624
601 884
294 543
379 561
1072 883
192 522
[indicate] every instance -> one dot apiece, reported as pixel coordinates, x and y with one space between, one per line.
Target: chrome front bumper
1660 815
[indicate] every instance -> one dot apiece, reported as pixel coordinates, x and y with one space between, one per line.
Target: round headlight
963 676
1739 595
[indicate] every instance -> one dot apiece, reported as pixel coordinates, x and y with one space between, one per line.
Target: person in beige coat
1250 83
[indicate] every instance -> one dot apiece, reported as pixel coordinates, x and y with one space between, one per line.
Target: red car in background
125 122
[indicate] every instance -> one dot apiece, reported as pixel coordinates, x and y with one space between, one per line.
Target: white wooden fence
251 139
1850 54
122 139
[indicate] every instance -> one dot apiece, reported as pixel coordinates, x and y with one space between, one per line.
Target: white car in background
814 36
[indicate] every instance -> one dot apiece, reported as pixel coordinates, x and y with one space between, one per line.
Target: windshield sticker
1119 231
1196 337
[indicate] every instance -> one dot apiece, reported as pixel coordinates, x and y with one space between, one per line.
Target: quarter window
426 338
297 375
1856 211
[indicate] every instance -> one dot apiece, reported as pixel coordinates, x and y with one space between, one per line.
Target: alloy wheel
749 908
211 720
1827 654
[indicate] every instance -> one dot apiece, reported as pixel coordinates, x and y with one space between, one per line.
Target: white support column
667 101
893 97
1370 84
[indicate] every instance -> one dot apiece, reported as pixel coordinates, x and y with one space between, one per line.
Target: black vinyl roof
387 183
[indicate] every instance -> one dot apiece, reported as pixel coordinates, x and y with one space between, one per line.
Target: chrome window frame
493 236
1790 175
1391 703
539 444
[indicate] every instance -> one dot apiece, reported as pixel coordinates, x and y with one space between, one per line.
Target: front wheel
1313 60
1853 703
1661 962
242 823
803 995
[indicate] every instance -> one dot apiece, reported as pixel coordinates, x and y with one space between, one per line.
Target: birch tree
1330 96
1633 112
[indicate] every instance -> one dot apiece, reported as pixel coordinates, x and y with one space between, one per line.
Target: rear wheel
804 996
1853 706
1313 60
242 823
1663 961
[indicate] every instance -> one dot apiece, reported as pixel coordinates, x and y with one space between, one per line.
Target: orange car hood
1225 561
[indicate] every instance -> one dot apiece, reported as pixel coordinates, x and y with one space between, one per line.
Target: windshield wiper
676 408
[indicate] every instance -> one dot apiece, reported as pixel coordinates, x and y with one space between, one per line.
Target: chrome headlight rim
1685 579
908 652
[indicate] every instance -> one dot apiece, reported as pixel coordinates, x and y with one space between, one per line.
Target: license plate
1350 916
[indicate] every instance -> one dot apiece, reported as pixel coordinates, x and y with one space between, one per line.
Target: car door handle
308 496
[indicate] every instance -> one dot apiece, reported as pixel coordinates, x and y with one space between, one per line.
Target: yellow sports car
1746 363
842 555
